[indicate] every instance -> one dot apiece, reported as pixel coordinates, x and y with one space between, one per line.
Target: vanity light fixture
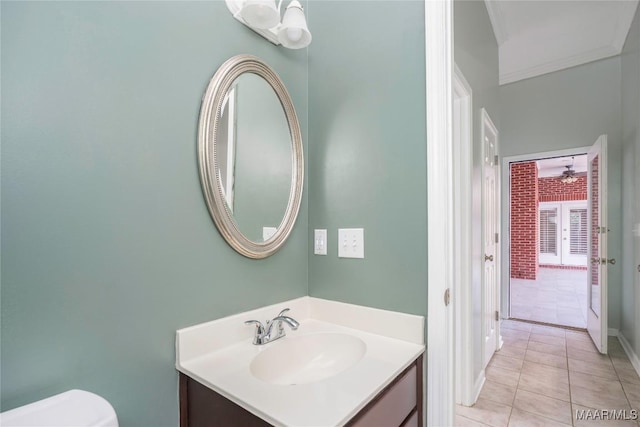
263 17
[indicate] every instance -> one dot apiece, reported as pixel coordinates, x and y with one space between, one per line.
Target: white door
597 227
490 199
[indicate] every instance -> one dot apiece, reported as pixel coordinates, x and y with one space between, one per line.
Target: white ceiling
557 165
542 36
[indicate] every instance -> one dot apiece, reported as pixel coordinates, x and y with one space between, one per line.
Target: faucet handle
259 327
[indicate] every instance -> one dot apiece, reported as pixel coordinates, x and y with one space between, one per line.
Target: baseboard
614 332
477 388
633 357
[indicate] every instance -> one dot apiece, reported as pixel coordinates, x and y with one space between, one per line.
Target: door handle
488 258
611 261
595 260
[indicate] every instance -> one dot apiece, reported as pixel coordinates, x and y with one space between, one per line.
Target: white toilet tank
73 408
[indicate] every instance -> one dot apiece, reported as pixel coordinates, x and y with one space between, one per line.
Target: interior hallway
557 296
543 375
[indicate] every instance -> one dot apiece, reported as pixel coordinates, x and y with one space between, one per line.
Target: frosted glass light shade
260 14
293 32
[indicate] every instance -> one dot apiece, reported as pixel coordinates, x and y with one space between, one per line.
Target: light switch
268 232
320 242
351 243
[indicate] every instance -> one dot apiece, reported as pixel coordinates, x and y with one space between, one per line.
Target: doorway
548 234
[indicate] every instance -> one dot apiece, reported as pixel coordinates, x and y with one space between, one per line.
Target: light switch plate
320 242
351 243
268 232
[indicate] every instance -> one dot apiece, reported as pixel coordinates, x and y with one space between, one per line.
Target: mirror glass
253 157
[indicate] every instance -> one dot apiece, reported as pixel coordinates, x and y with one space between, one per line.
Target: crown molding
559 64
624 24
497 21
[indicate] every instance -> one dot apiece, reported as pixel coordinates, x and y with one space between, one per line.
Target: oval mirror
250 156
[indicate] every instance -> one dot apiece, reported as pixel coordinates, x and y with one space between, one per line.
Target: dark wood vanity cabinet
398 404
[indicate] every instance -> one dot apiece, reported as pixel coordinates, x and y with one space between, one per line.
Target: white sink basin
307 358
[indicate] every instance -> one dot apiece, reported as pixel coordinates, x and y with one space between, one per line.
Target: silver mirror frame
212 103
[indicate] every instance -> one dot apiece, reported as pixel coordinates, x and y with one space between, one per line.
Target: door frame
440 241
505 229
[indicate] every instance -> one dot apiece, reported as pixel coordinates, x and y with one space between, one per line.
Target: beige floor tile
558 350
598 369
510 350
548 407
516 342
598 384
547 339
520 418
497 392
570 334
503 376
546 359
543 385
588 356
520 326
548 330
583 413
514 333
581 345
547 372
487 412
633 394
627 374
506 362
591 397
461 421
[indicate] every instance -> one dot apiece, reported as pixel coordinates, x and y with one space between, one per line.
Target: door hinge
497 316
447 297
496 237
495 160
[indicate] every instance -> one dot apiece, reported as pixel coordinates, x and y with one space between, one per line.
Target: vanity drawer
396 406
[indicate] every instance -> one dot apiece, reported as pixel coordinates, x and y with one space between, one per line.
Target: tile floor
543 375
556 296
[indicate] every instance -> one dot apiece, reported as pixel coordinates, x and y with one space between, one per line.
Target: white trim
601 52
439 68
633 357
463 193
505 210
613 332
477 388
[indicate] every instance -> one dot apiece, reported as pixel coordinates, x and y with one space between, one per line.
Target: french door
563 233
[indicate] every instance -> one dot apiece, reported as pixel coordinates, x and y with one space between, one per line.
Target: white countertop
218 354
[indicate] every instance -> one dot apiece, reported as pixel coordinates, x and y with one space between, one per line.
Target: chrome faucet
265 334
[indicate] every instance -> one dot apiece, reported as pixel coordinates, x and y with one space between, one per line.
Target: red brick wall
524 220
554 190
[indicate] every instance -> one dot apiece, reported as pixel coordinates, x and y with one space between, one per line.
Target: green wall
630 317
107 245
476 55
569 109
367 151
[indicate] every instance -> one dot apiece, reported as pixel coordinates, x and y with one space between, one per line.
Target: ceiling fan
570 176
